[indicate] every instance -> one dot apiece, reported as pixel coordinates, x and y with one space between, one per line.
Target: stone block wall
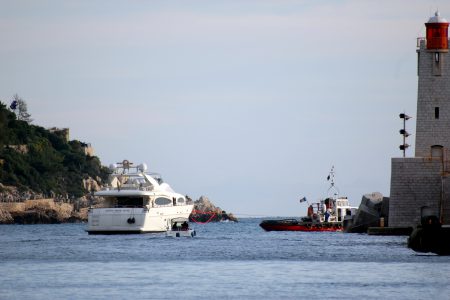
445 209
415 182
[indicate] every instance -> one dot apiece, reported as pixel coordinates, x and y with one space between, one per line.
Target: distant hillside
33 158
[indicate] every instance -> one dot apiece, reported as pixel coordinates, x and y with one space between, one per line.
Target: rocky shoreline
204 212
42 211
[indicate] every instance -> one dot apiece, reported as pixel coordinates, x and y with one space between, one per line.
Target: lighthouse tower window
436 112
437 65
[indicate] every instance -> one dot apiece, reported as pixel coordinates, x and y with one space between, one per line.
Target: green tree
4 130
22 109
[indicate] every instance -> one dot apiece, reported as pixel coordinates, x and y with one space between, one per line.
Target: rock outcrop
91 184
42 211
28 207
5 217
205 211
12 194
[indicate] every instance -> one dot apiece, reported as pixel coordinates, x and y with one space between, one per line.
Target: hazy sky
247 102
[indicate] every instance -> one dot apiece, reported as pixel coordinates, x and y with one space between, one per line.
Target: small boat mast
333 188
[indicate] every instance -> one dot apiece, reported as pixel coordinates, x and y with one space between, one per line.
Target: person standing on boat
325 211
184 226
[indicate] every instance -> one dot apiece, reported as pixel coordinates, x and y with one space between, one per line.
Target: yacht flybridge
136 201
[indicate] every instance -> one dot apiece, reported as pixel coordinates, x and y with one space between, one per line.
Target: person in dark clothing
185 226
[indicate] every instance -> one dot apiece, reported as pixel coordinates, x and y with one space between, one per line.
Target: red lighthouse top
437 32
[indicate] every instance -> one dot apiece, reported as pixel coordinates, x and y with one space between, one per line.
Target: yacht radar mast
332 187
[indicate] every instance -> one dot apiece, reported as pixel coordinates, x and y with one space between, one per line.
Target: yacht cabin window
130 201
162 201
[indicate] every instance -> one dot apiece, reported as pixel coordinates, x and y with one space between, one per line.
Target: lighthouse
433 98
422 183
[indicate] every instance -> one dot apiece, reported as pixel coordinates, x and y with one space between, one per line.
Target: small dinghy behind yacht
180 228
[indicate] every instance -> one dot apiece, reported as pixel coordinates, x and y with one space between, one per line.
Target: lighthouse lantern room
437 32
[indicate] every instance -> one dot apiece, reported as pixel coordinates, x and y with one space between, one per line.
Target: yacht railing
129 187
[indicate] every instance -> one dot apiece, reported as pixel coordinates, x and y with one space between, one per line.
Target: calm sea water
224 261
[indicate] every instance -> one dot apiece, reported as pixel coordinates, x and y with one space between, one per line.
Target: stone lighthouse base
417 183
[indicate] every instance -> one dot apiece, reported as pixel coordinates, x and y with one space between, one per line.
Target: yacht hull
134 220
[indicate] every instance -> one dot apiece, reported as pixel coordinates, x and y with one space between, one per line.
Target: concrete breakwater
373 210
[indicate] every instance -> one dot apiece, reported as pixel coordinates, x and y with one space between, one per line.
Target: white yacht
136 202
